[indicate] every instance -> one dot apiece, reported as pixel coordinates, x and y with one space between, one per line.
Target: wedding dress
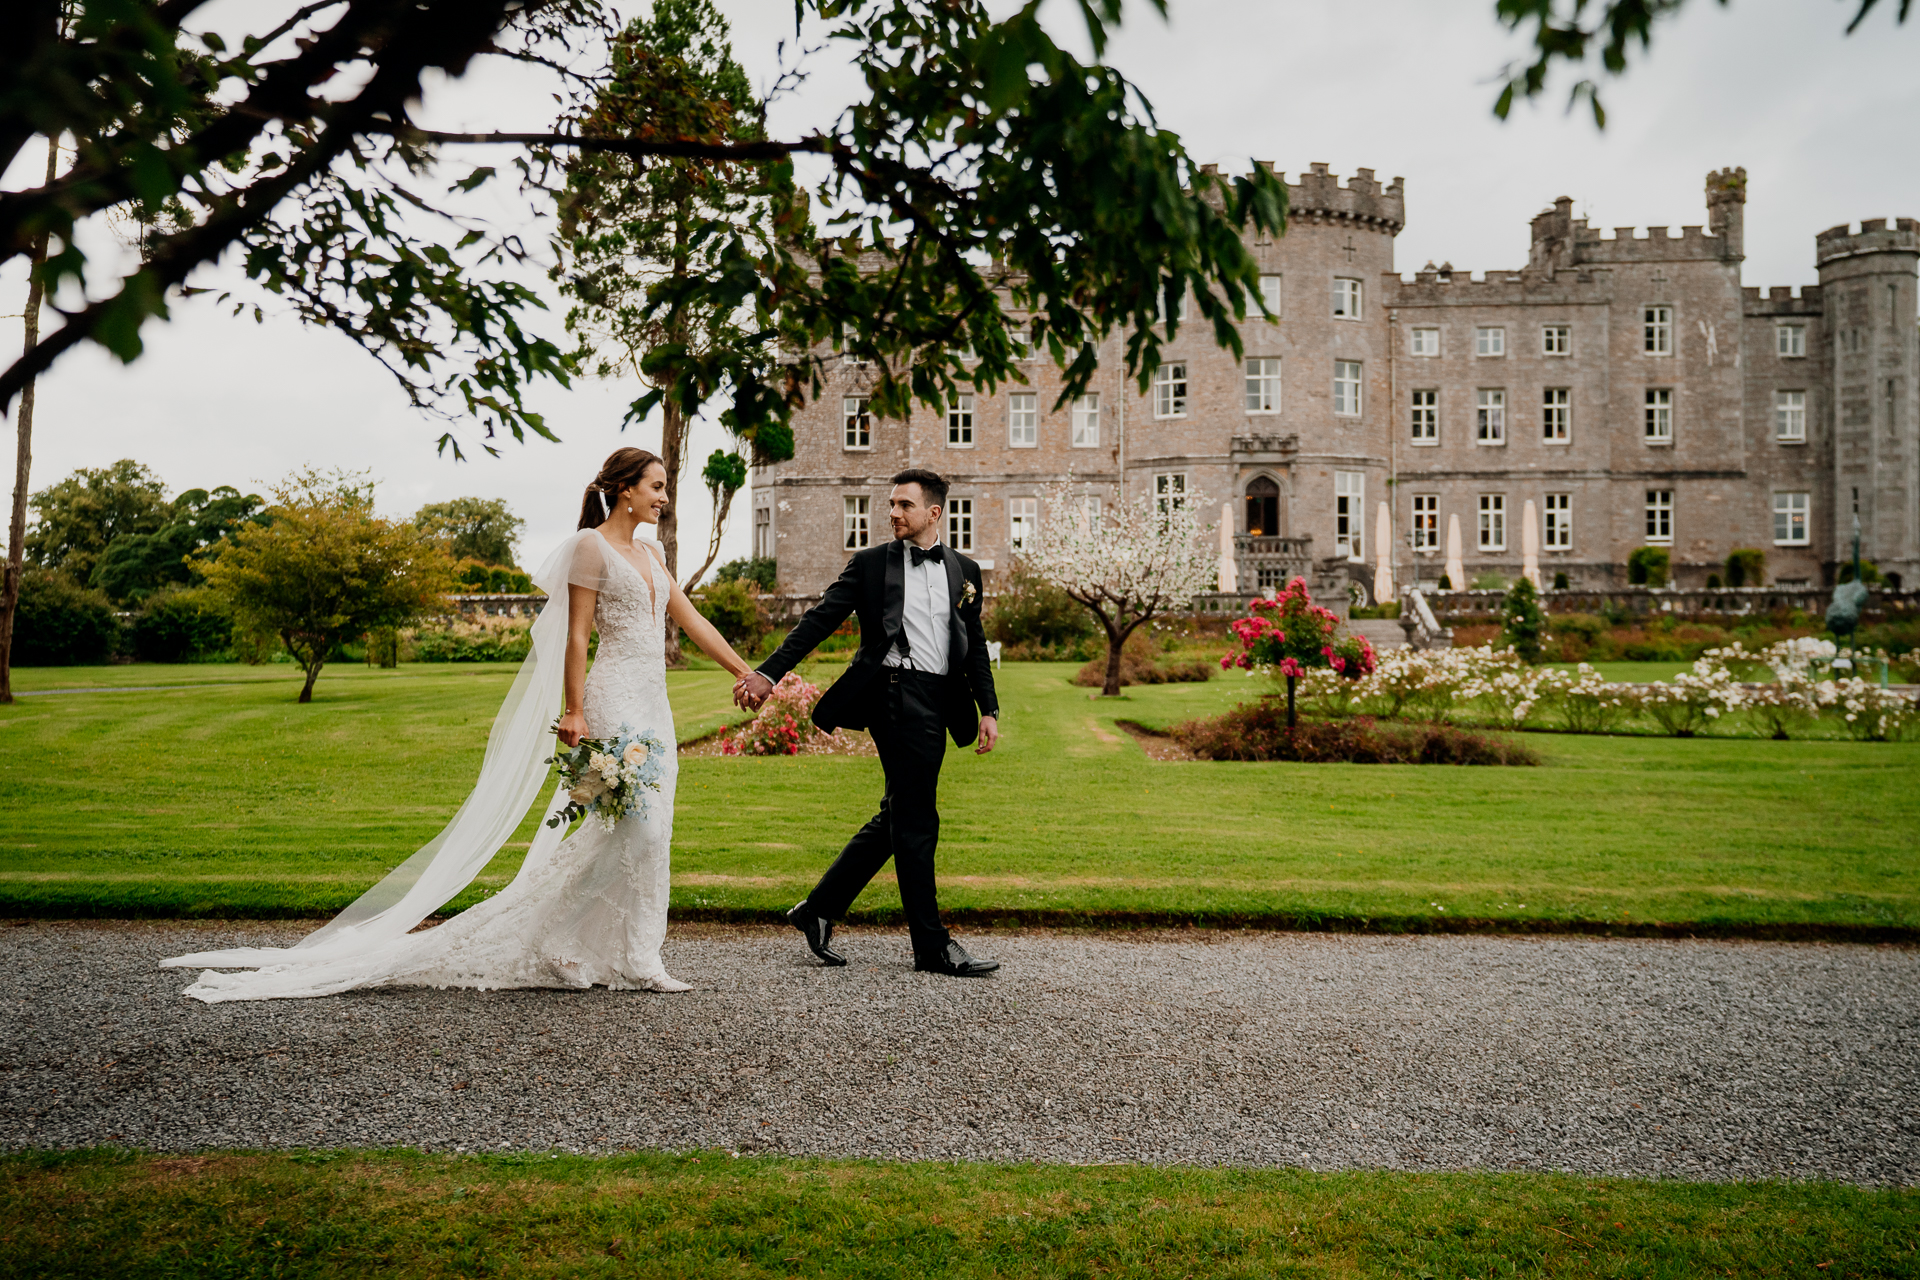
588 909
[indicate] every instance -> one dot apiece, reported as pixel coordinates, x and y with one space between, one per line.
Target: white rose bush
1783 690
608 778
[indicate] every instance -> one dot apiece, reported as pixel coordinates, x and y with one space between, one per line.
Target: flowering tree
1126 565
1287 635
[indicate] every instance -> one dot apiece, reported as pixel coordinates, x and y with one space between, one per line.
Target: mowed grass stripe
234 800
710 1214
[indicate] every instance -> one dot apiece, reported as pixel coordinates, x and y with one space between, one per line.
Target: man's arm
820 622
979 664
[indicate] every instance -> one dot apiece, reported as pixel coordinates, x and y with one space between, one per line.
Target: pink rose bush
1289 635
784 726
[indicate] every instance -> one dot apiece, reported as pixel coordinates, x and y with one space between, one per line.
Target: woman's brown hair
622 470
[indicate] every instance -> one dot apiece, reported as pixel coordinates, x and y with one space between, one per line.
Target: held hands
571 727
989 734
750 690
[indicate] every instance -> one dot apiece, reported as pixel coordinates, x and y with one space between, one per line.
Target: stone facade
1627 385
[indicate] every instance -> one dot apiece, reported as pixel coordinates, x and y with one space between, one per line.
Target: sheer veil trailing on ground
511 778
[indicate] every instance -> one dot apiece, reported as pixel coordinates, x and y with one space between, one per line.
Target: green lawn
406 1214
221 795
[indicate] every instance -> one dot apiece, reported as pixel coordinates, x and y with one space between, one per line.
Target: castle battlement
1659 244
1876 235
1782 300
1319 198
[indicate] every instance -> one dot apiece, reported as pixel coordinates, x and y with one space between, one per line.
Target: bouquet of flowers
609 777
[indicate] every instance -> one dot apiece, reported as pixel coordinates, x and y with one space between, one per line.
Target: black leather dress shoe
954 962
818 931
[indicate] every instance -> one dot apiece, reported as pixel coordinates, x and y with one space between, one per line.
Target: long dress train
590 909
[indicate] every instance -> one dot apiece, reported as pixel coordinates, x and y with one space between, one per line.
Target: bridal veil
512 776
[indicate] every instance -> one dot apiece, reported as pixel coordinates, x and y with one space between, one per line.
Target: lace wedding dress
589 909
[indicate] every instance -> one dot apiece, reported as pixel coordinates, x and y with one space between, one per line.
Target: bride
586 910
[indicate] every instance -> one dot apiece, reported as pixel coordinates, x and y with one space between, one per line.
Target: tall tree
77 518
633 229
23 446
325 569
483 529
135 565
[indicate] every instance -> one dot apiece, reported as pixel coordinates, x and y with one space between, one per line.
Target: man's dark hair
932 487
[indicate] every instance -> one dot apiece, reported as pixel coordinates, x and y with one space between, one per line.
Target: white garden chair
993 652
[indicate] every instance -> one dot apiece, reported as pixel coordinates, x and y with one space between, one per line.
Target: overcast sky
1825 125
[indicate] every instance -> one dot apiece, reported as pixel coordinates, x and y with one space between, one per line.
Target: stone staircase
1381 633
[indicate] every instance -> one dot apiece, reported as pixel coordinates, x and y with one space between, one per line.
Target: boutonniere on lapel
967 594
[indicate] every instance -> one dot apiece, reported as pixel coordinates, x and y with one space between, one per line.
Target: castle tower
1727 211
1869 283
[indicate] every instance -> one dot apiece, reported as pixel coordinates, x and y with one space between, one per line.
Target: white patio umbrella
1229 570
1456 572
1530 543
1383 556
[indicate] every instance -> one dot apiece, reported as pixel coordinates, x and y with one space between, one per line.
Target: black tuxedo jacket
873 585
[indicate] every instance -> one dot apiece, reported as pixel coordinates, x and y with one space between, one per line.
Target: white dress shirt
924 616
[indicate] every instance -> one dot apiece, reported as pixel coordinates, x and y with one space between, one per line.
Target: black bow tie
935 553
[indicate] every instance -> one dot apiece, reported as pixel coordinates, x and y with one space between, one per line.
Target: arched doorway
1263 508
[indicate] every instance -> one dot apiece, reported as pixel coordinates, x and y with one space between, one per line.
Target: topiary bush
59 623
1522 622
1746 567
182 624
1649 566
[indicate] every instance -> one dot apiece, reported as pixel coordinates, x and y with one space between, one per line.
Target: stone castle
1627 386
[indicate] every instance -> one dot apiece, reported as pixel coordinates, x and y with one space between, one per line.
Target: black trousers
911 736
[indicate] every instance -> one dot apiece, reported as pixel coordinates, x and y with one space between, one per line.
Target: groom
921 668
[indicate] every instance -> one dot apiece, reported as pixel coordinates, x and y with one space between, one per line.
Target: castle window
1023 523
1263 385
763 533
1556 340
960 524
1790 519
1170 391
1270 294
1349 512
1790 417
1426 342
1426 522
1346 387
1556 414
1489 341
1346 298
1493 522
1659 415
1169 492
858 415
1263 508
1660 515
1086 421
1656 330
1558 527
1426 417
960 421
1023 421
855 523
1490 416
1790 340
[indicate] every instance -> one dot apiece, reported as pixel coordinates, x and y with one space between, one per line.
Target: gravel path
1689 1060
